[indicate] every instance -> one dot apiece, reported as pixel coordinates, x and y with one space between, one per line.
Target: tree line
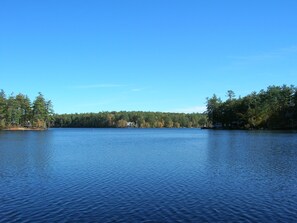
19 111
134 119
273 108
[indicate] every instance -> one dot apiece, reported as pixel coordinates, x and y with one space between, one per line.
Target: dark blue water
148 175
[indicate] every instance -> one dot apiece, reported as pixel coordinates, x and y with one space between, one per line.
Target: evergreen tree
25 109
13 112
42 112
274 108
3 107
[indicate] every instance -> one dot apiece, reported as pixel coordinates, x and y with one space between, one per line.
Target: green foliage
42 112
274 108
25 109
125 119
3 108
17 111
13 111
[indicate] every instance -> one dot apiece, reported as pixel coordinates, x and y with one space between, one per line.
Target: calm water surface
148 175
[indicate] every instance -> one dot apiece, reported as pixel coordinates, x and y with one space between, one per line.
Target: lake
148 175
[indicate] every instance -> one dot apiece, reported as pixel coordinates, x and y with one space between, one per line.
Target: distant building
131 124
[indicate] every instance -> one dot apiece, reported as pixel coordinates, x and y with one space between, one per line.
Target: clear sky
150 55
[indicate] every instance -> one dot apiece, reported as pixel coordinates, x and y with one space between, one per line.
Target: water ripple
78 175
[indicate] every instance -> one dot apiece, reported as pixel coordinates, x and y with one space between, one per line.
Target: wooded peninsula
274 108
18 113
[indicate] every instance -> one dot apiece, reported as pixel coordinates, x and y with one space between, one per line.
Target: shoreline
23 129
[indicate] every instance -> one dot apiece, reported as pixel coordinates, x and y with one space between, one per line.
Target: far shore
23 129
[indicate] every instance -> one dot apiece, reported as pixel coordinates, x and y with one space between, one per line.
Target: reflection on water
258 151
24 153
159 175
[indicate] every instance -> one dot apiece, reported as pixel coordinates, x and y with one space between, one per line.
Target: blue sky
150 55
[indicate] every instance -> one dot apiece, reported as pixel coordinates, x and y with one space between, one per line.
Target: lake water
148 175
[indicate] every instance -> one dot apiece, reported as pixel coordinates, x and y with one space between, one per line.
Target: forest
18 111
273 108
133 119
